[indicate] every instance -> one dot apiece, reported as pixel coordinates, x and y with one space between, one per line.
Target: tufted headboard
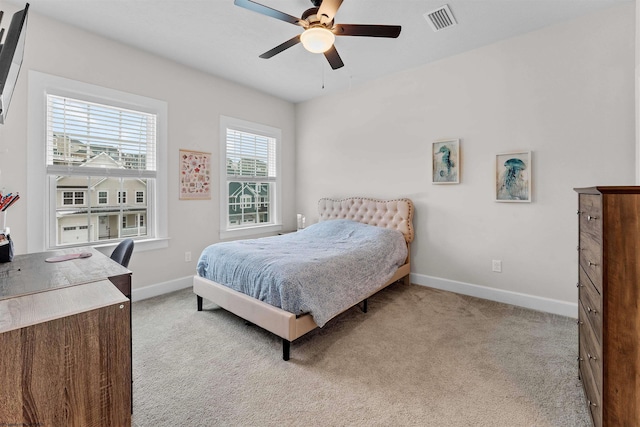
395 214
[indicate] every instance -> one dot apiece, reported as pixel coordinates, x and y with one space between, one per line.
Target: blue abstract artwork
446 162
513 177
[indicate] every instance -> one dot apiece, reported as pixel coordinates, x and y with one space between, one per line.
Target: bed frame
394 214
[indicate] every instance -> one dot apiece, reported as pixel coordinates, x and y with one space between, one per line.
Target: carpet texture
419 357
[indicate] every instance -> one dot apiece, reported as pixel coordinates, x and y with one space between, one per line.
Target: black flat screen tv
11 53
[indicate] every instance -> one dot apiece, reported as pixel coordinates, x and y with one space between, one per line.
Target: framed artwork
513 177
195 175
445 155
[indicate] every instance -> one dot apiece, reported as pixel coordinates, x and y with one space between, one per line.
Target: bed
257 293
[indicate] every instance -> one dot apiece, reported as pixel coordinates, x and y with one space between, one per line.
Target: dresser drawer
593 398
591 259
590 212
592 302
590 349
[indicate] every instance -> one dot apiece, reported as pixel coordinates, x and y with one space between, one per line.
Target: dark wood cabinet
609 303
65 344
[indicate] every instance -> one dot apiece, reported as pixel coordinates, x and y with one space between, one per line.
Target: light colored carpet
419 357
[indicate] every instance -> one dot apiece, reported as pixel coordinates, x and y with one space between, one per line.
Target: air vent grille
440 18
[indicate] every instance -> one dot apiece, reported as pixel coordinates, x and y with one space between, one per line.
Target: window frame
122 197
106 197
77 197
41 232
241 230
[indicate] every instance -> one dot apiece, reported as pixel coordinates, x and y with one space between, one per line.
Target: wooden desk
65 341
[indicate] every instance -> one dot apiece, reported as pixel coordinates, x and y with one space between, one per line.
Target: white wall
195 100
637 95
565 92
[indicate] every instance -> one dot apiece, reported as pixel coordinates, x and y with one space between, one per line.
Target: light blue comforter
323 269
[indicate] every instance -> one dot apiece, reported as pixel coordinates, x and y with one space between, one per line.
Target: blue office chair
122 253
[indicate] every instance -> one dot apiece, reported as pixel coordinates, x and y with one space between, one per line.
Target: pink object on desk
67 257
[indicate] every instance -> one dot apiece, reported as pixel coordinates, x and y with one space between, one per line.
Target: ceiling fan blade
265 10
328 10
334 59
284 46
391 31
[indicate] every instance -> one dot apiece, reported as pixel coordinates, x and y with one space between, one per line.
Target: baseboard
161 288
547 305
533 302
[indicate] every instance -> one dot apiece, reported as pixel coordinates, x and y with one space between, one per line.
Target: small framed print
513 177
195 175
445 155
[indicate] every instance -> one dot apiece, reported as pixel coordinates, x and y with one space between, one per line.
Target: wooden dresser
609 303
65 341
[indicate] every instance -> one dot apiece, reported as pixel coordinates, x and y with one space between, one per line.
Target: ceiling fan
319 29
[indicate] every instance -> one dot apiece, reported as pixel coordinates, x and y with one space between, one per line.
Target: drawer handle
592 264
592 310
580 359
579 322
591 357
591 218
592 404
579 285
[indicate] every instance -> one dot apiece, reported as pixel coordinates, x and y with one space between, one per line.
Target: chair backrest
122 253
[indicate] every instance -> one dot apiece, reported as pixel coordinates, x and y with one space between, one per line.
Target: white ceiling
225 40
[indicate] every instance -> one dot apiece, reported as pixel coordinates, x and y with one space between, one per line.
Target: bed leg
406 280
199 302
286 348
365 305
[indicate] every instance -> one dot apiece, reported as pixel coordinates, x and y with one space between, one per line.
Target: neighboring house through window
100 145
250 179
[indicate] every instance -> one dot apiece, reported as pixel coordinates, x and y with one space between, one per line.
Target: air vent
440 18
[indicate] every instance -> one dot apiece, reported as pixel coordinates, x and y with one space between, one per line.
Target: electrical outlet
187 256
496 265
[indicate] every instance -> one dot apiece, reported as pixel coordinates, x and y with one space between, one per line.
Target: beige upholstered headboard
395 214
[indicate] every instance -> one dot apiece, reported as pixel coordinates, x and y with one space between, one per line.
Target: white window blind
250 157
87 135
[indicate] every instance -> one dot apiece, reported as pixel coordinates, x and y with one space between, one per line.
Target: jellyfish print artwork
445 162
513 179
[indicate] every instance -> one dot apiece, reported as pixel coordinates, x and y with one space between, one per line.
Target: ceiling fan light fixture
317 39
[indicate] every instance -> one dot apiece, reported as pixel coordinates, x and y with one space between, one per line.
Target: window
85 138
246 201
73 197
103 197
250 180
139 196
100 145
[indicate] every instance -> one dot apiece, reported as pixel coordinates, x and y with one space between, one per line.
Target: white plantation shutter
250 157
78 131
